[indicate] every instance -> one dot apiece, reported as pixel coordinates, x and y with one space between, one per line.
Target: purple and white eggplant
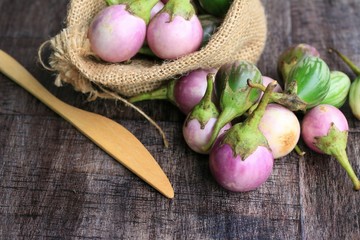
281 128
184 92
175 31
241 159
118 31
200 122
325 130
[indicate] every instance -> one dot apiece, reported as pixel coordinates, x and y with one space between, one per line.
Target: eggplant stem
210 86
342 158
227 113
165 92
299 151
160 93
255 117
352 66
256 85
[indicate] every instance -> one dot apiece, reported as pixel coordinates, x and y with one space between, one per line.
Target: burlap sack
241 36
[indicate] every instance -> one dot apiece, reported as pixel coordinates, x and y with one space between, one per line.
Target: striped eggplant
354 93
312 77
339 89
292 55
354 97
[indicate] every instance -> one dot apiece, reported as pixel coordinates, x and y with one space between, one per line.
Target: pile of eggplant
244 120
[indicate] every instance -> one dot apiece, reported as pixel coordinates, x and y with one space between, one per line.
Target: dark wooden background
55 183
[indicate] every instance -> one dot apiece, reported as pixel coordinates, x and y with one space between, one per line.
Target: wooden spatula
113 138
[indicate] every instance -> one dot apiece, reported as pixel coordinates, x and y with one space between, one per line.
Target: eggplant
217 8
241 159
312 77
209 24
354 97
234 94
292 55
339 89
354 93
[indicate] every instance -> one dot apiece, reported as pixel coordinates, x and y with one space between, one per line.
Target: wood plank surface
56 184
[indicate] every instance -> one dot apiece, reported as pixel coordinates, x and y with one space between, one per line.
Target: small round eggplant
118 31
312 77
354 93
200 122
184 92
325 130
209 24
339 89
281 128
175 31
292 55
354 97
216 7
241 159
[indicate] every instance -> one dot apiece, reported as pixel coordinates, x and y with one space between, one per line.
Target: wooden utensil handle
15 71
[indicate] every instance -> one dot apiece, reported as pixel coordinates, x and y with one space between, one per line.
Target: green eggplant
312 77
354 93
354 97
292 55
217 8
209 24
339 89
234 93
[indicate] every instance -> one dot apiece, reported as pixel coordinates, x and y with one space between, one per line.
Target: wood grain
55 183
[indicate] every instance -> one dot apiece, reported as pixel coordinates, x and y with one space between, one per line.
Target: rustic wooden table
55 183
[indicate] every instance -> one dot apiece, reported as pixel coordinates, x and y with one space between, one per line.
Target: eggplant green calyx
236 97
138 8
246 137
334 144
181 8
111 2
165 92
205 109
